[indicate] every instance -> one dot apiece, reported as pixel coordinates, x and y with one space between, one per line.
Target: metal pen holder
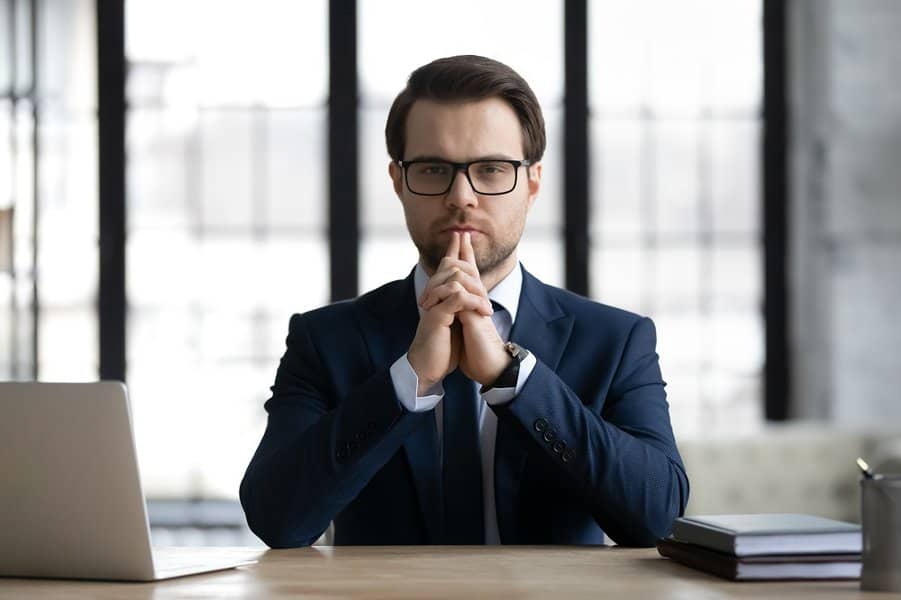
881 524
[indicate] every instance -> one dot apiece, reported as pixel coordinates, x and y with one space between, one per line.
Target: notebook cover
762 568
769 533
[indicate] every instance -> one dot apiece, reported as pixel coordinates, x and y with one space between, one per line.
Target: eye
432 169
493 168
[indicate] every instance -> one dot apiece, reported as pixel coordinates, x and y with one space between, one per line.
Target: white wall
846 210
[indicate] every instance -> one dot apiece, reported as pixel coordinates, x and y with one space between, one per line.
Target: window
226 224
48 202
675 95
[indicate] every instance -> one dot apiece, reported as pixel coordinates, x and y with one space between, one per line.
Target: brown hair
465 78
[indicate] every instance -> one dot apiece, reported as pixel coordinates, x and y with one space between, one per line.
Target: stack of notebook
766 546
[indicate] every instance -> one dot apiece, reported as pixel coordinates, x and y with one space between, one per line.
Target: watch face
517 351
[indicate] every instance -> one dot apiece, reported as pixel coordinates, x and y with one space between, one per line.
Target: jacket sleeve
621 460
317 453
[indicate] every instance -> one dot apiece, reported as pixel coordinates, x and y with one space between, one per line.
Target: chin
490 261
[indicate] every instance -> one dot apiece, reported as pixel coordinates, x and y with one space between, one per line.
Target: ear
396 174
534 175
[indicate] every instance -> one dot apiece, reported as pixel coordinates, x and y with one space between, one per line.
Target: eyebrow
429 157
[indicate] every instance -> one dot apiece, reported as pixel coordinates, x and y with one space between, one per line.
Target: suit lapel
389 325
543 328
389 319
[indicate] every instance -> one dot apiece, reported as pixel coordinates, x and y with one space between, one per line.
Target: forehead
462 131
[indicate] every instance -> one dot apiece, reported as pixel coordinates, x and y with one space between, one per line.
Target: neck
496 275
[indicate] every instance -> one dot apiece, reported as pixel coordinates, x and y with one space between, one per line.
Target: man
404 417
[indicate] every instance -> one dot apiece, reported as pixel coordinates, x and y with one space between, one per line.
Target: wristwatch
510 375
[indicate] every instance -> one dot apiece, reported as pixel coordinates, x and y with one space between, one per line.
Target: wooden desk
445 572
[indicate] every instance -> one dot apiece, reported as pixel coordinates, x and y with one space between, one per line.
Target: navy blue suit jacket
339 446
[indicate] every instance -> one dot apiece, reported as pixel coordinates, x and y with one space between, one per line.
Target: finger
483 307
447 264
440 277
453 249
452 292
472 284
457 302
449 291
447 271
467 253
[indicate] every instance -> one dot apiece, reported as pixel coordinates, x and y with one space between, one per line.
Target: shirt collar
506 292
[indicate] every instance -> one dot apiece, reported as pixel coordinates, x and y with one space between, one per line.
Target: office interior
177 178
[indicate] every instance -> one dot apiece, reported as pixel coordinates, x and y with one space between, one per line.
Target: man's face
463 132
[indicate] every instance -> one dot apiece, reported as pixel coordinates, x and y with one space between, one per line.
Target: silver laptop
71 504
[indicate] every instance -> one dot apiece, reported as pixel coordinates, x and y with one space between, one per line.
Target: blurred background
178 177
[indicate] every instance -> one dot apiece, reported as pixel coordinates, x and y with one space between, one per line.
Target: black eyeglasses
487 177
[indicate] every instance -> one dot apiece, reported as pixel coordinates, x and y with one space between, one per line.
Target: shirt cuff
406 384
497 396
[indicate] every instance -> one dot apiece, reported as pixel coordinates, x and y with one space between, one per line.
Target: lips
460 227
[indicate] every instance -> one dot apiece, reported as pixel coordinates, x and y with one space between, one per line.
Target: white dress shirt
406 386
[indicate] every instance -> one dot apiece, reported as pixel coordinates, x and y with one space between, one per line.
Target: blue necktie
462 469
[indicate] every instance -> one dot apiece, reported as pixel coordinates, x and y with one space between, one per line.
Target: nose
461 195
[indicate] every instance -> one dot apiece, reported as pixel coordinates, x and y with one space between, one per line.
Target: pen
865 468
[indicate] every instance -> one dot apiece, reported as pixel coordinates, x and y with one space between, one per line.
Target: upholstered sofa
807 467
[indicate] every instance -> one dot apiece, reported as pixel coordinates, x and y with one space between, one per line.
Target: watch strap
510 375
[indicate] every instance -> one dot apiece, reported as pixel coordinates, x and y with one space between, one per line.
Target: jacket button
360 436
540 425
353 445
371 426
550 435
568 455
341 453
559 446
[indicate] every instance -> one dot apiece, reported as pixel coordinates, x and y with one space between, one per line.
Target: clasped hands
455 328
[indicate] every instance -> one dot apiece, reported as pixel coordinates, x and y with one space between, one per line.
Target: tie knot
497 306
